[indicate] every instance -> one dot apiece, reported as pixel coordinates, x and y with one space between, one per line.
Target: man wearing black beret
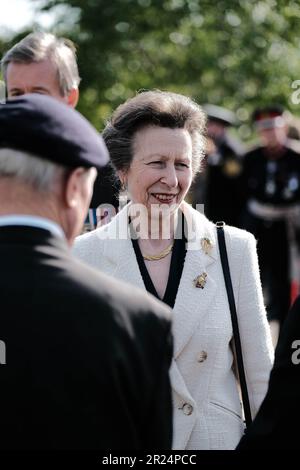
83 359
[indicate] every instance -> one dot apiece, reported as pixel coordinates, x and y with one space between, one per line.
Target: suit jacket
276 425
87 358
207 410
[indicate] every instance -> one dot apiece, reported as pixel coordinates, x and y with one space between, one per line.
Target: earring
123 196
123 186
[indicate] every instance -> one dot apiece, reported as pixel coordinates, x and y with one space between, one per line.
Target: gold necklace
160 255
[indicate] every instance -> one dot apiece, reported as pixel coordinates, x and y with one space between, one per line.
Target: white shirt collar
32 221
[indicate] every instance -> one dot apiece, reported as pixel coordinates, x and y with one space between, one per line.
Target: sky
17 14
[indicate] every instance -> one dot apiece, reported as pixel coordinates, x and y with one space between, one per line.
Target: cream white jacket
207 409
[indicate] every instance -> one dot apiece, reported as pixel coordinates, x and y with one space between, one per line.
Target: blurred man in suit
45 64
276 425
84 361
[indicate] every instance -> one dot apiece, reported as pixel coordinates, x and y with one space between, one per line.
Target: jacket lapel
193 303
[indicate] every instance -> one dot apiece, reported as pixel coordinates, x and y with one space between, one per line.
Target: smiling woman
156 143
161 171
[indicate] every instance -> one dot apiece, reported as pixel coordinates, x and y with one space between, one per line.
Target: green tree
236 53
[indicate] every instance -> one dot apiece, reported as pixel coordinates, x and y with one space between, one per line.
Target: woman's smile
165 198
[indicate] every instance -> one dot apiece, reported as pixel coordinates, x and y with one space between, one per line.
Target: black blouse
176 267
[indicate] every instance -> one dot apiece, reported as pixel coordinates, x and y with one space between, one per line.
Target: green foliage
236 53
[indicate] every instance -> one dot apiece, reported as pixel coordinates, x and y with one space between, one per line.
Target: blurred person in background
271 190
45 64
161 244
217 185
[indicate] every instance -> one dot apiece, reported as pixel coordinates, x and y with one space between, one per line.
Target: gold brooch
206 245
200 281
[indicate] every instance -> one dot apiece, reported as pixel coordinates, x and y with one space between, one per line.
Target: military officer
271 181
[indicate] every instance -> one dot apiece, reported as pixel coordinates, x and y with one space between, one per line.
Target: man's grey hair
40 174
39 46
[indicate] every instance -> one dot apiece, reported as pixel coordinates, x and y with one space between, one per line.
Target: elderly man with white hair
84 360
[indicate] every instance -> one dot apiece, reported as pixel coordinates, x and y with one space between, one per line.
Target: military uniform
224 165
272 196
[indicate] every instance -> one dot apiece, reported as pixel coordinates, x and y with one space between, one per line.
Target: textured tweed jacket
207 408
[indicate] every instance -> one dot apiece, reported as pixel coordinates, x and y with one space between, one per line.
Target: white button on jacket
187 409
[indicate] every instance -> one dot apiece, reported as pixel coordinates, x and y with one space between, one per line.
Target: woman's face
161 169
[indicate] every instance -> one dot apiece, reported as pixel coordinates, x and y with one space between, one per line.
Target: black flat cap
51 130
219 114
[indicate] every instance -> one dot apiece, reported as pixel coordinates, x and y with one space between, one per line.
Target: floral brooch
200 281
206 245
